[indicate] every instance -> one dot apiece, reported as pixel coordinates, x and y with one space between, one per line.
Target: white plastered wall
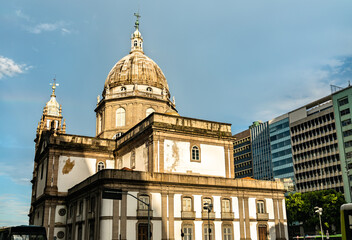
236 230
132 205
110 164
235 207
253 230
106 229
272 231
131 229
73 170
177 229
270 207
156 204
198 205
141 158
126 160
252 208
177 205
177 159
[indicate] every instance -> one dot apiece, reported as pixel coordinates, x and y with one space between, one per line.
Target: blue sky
229 61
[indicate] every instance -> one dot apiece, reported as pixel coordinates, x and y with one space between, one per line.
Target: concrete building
342 108
242 152
144 149
315 151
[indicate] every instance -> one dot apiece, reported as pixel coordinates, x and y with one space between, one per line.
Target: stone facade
174 163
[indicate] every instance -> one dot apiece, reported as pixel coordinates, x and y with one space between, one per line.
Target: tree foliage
300 208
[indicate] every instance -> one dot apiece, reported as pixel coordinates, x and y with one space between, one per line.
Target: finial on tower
54 86
136 24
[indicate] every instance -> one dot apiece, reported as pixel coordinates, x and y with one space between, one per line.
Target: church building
147 170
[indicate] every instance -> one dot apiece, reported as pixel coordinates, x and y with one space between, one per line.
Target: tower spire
137 40
54 84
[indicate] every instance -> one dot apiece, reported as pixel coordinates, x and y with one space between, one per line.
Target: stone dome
136 68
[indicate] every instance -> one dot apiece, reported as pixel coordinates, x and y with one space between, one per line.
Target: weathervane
54 85
136 24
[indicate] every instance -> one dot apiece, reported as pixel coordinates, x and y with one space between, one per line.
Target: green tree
300 208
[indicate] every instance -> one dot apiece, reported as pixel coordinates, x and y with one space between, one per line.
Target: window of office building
345 112
346 122
343 101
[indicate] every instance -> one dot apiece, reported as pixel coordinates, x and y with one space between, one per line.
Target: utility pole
319 210
208 207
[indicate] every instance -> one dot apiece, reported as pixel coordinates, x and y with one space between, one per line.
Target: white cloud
45 27
13 209
42 27
306 86
9 68
20 14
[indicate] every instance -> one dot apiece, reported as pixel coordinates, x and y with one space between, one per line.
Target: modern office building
342 108
261 153
315 147
306 145
243 155
280 143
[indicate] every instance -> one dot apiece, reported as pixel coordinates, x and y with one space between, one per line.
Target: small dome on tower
53 107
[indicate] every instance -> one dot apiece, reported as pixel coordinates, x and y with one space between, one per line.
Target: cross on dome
54 87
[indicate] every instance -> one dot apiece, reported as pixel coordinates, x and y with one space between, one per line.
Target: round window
62 212
61 235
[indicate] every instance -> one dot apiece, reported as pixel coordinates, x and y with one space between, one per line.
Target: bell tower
52 115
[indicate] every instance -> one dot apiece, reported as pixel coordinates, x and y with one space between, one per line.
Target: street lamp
319 210
208 207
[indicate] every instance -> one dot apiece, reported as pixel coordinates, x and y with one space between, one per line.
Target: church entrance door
262 232
143 231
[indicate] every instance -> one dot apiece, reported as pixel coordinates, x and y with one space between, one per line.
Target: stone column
240 209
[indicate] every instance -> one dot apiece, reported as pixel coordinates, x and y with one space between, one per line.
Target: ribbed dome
136 68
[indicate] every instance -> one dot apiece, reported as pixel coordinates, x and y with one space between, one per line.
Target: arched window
101 166
149 89
188 232
206 202
195 153
149 111
260 207
135 43
227 230
225 205
187 204
120 117
142 206
123 89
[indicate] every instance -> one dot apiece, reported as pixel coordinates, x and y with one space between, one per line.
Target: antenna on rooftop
335 88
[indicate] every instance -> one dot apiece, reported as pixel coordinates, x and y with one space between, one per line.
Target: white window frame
120 117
